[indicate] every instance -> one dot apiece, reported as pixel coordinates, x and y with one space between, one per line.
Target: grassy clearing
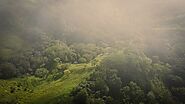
32 90
44 92
49 92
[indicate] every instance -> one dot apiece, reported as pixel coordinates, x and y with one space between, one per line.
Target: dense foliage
54 52
128 78
47 56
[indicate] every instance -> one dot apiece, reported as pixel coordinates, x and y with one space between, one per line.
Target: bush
41 72
67 72
63 67
82 60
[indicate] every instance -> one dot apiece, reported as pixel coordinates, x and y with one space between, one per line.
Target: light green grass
40 91
49 92
32 90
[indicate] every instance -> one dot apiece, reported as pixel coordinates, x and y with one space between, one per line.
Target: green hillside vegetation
31 89
126 77
92 52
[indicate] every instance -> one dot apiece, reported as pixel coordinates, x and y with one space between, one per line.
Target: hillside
35 90
92 52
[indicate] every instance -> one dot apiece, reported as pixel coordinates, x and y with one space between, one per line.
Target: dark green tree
7 70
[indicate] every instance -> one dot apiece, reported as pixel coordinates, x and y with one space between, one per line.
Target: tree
96 101
58 50
151 98
7 70
101 86
114 83
162 94
81 97
130 66
179 94
132 94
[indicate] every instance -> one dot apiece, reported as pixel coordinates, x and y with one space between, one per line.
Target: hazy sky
93 17
111 17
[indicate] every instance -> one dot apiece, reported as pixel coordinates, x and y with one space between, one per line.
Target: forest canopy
92 52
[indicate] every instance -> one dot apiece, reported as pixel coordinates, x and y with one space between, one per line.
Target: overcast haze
92 17
110 17
95 18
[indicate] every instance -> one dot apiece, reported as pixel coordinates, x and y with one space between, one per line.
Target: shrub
82 60
66 72
41 72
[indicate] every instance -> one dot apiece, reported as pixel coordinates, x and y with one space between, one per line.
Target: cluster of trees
172 51
46 54
128 77
155 73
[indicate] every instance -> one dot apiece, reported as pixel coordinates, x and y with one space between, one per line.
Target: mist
92 51
109 18
95 18
150 22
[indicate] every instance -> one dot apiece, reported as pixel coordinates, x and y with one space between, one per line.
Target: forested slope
92 52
